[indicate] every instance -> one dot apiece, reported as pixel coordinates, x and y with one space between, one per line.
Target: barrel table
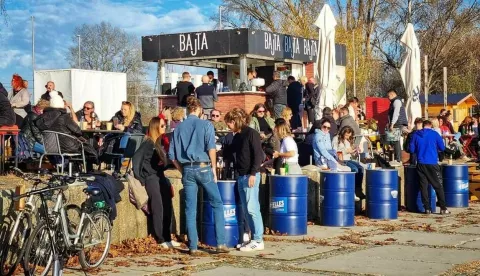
455 185
382 194
413 196
337 192
288 204
232 211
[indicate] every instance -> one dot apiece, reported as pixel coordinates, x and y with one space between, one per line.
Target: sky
55 21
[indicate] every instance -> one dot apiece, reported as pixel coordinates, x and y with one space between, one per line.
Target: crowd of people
188 138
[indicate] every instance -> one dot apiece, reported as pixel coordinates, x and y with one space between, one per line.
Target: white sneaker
395 163
324 167
165 245
174 243
357 198
246 240
253 246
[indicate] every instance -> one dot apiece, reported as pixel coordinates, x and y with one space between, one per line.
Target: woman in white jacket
19 99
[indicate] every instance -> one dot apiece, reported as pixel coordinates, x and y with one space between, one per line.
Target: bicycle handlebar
40 191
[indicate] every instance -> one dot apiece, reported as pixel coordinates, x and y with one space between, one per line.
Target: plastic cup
109 125
282 171
85 125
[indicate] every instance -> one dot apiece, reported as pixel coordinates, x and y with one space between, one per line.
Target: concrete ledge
132 223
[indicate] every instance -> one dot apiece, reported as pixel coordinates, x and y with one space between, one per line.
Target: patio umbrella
410 72
325 59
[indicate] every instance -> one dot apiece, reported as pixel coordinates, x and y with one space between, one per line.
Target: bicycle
54 239
13 249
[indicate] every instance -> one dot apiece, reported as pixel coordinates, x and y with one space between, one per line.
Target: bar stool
4 131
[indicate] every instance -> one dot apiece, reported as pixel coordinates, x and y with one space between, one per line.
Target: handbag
394 135
137 192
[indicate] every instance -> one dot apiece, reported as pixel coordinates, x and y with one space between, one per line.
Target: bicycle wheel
74 214
38 252
13 245
95 238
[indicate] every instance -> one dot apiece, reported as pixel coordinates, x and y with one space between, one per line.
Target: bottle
231 172
450 161
285 165
81 122
94 121
220 169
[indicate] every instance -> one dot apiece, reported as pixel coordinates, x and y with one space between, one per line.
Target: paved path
412 245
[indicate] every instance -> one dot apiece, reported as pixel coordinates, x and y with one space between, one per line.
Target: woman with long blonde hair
149 164
127 119
288 149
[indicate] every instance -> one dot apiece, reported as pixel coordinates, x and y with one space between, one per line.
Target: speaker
167 88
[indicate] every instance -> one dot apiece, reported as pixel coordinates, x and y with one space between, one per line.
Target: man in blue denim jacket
192 151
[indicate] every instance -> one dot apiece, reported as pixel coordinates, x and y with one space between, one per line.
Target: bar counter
226 100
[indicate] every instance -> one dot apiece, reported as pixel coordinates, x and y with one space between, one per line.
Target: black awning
233 42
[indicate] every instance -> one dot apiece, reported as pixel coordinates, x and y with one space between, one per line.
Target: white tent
411 74
326 59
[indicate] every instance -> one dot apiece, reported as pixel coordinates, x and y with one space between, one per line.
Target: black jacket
146 162
248 151
7 115
30 131
277 92
135 126
207 95
58 120
294 96
184 89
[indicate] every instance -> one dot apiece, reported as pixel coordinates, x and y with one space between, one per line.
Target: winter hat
56 101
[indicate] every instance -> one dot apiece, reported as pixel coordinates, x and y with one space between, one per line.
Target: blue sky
55 21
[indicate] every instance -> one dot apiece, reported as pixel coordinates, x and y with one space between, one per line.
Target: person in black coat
55 118
149 163
7 115
127 119
30 131
294 99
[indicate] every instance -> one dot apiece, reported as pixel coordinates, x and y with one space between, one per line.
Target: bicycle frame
64 224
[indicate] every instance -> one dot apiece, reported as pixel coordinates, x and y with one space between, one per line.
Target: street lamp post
79 64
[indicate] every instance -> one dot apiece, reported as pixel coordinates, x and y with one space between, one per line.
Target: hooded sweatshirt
426 143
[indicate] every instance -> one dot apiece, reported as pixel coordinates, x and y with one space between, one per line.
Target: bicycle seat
93 191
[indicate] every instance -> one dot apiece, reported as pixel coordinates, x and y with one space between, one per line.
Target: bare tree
107 48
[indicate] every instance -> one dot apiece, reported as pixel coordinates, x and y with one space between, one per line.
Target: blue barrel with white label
232 212
413 196
382 194
288 204
455 185
337 195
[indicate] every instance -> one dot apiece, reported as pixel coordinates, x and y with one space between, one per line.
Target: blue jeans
358 170
39 148
249 198
330 164
193 176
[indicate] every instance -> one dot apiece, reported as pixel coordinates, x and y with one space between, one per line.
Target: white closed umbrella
411 74
326 60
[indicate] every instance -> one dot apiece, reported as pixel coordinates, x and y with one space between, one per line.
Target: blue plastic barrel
382 194
455 185
413 196
232 213
337 192
288 204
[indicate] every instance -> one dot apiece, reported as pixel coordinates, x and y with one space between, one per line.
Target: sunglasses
215 115
87 108
260 111
126 102
325 127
